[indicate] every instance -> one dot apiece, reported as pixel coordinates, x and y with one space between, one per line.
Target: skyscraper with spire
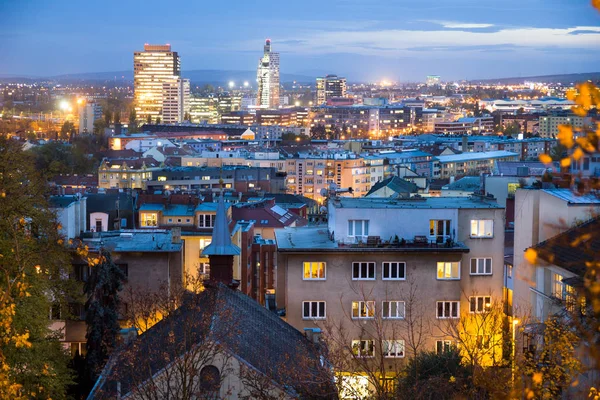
268 78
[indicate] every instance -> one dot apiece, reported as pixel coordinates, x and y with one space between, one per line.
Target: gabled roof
246 330
573 249
395 184
266 216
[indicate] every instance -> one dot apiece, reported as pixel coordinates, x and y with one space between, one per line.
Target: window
479 304
483 341
149 219
509 271
363 270
482 228
557 285
170 220
439 228
314 270
481 266
363 309
363 348
393 348
206 220
313 309
448 270
393 270
447 309
210 382
392 309
442 346
358 227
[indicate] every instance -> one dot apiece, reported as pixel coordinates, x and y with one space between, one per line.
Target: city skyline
401 41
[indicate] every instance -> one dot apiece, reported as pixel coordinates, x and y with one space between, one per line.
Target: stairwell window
442 346
481 266
448 270
358 227
315 270
482 228
313 309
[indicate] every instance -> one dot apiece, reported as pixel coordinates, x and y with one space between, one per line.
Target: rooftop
470 183
476 156
415 202
573 198
317 238
132 240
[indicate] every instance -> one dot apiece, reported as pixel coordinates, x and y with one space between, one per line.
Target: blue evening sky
361 39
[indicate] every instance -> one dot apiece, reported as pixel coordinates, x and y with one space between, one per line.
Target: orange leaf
545 158
577 154
531 256
565 162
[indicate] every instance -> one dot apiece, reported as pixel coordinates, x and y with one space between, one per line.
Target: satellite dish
323 209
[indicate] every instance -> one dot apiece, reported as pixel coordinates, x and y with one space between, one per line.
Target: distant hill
562 78
197 77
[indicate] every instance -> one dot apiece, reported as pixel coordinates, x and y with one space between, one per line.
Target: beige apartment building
126 173
377 260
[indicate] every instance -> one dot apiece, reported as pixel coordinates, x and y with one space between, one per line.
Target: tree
512 129
117 117
67 130
33 260
149 119
158 120
102 311
431 375
132 121
107 116
99 126
187 117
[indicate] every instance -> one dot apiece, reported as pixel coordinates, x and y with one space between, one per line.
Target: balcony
415 244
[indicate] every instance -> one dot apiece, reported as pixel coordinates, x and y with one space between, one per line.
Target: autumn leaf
531 256
565 136
577 154
565 162
545 158
537 378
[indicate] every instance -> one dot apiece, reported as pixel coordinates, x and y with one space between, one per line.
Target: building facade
175 101
268 78
329 87
88 114
152 68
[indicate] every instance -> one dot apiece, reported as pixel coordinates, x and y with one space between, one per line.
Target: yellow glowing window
314 270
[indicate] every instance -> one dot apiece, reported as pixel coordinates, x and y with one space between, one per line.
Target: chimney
176 235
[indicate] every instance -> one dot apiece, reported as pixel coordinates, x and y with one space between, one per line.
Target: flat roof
422 203
133 240
317 239
573 198
476 156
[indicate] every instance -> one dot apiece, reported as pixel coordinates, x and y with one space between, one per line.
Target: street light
231 84
515 322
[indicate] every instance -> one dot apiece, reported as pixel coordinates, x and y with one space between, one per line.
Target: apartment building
126 173
548 124
378 258
472 163
466 126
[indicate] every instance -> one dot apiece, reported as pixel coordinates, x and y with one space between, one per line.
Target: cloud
459 25
404 42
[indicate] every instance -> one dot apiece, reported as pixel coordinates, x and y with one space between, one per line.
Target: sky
364 40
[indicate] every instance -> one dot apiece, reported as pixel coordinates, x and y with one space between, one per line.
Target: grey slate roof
468 183
396 184
152 240
245 329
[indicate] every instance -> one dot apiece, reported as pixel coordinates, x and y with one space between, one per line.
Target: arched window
210 382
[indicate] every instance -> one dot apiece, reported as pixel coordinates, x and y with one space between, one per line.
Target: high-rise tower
154 67
268 78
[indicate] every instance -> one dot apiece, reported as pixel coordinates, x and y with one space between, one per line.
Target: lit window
479 304
313 309
393 309
447 309
149 219
481 266
557 285
393 270
162 178
393 348
363 309
439 228
482 228
363 348
448 270
314 271
363 270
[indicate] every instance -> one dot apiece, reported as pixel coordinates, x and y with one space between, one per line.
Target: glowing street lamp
515 322
64 105
231 84
246 84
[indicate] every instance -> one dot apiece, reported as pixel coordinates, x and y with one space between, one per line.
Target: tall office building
268 78
88 114
175 100
329 87
152 68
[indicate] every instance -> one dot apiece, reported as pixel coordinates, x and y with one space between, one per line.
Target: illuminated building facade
175 101
152 68
88 114
268 78
330 87
433 80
